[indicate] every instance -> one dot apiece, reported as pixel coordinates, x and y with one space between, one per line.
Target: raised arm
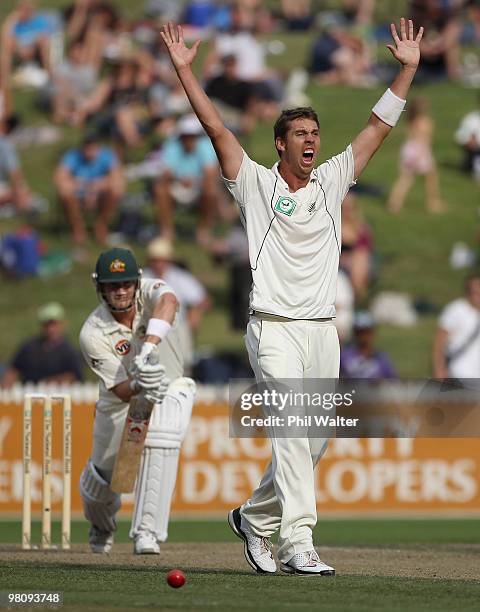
406 50
227 147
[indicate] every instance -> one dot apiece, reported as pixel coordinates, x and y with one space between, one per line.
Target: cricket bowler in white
134 317
292 215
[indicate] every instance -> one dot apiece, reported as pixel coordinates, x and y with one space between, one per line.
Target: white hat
160 248
189 125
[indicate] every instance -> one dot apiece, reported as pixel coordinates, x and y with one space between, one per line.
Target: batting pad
169 420
154 491
100 504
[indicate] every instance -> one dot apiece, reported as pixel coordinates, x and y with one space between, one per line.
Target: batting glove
156 395
146 352
149 377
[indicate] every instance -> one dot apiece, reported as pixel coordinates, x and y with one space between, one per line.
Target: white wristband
389 108
159 328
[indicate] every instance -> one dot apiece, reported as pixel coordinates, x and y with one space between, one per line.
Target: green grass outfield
329 532
141 587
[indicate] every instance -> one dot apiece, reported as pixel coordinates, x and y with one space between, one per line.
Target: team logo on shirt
117 265
122 347
285 205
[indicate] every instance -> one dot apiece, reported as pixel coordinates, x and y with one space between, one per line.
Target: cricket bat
129 456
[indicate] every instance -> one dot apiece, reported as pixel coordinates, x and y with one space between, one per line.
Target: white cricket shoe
307 564
145 543
100 541
258 551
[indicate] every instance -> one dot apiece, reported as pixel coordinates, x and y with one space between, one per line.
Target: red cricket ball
176 578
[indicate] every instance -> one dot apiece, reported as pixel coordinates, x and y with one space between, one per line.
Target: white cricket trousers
285 498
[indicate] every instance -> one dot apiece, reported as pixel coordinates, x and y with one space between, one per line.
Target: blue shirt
28 32
89 170
189 165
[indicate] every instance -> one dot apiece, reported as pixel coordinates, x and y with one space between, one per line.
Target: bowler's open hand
407 47
180 54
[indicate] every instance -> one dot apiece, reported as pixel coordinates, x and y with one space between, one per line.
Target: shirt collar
111 324
275 170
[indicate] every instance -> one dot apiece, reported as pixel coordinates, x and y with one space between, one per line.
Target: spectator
357 246
234 249
118 105
361 359
92 23
191 176
191 294
339 56
416 158
468 137
13 187
233 97
440 48
48 357
26 36
74 81
89 178
297 14
241 42
456 345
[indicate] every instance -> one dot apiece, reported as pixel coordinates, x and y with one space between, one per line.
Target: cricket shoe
100 541
307 564
145 543
257 550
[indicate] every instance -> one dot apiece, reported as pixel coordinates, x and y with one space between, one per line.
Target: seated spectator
440 47
456 345
297 14
190 176
416 159
233 97
339 56
118 106
191 294
250 53
73 82
92 22
468 137
357 246
361 359
48 357
25 37
89 178
13 186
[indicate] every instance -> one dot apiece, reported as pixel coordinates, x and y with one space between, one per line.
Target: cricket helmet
116 265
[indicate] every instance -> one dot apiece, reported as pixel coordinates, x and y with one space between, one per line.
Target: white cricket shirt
294 238
109 347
